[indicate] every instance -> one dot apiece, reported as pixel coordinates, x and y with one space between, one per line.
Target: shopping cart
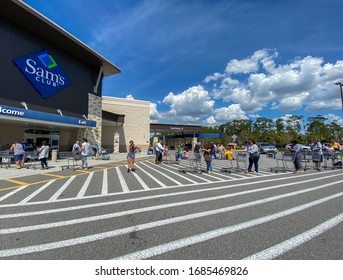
31 157
239 164
194 166
312 160
284 162
337 160
72 160
6 158
170 158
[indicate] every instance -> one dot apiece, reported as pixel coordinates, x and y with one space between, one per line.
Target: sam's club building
51 86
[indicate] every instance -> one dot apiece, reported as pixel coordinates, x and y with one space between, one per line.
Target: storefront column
116 142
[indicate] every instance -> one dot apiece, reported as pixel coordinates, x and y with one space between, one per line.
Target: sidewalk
12 172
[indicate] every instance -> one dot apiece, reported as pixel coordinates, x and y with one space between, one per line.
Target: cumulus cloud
226 114
303 83
154 114
257 83
191 104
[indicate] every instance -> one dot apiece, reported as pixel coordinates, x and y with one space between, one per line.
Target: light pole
340 86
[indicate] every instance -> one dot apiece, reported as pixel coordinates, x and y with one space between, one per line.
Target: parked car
266 147
303 147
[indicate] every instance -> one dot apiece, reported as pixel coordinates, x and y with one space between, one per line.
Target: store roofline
24 15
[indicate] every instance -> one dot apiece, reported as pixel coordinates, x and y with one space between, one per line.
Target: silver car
266 148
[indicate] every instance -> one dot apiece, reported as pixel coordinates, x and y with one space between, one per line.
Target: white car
265 147
303 147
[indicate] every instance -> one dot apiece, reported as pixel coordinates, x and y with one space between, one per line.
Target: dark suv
265 147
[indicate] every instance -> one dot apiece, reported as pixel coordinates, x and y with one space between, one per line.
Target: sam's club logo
43 72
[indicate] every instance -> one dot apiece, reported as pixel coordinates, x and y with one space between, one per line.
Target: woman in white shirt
254 156
84 153
44 154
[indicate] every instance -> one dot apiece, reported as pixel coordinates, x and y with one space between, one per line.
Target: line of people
332 151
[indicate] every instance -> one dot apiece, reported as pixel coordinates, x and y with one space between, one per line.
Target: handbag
254 155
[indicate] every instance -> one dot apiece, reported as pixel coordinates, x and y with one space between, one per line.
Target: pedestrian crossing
111 180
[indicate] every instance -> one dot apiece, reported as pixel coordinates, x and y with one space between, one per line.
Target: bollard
54 155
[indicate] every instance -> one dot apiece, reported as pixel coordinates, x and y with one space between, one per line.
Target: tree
317 129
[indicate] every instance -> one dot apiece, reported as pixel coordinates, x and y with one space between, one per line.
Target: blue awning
8 112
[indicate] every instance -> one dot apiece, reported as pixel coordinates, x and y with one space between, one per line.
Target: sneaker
128 170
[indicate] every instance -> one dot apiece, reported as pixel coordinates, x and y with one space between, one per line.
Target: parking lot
110 177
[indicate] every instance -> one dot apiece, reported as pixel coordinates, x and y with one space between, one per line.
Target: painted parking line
11 193
35 193
55 175
16 182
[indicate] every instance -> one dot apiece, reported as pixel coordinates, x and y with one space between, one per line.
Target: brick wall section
93 135
136 125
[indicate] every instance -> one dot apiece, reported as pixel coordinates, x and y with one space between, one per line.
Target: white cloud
154 114
210 121
331 118
193 103
226 114
129 96
213 77
250 64
303 83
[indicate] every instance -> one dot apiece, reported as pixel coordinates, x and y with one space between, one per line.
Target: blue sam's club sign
43 72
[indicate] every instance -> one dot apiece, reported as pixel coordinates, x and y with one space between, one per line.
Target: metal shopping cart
312 160
170 158
284 162
6 158
31 157
337 160
194 166
239 164
72 160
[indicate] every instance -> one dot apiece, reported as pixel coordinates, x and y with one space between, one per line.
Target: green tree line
279 131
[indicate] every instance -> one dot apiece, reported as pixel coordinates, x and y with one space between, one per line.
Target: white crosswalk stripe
122 181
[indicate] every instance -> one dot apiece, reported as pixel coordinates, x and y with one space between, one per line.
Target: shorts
131 155
18 157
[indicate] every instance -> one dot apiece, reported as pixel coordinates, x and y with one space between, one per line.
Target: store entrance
34 139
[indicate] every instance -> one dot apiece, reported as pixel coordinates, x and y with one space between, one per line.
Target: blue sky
209 62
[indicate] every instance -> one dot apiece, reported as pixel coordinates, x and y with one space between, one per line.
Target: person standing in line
318 158
76 147
185 154
76 150
296 149
179 152
254 156
95 149
131 156
18 150
336 145
159 152
84 153
208 160
43 155
197 152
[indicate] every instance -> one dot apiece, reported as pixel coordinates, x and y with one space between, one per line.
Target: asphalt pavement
161 213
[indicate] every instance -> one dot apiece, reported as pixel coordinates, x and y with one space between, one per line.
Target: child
228 154
185 154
